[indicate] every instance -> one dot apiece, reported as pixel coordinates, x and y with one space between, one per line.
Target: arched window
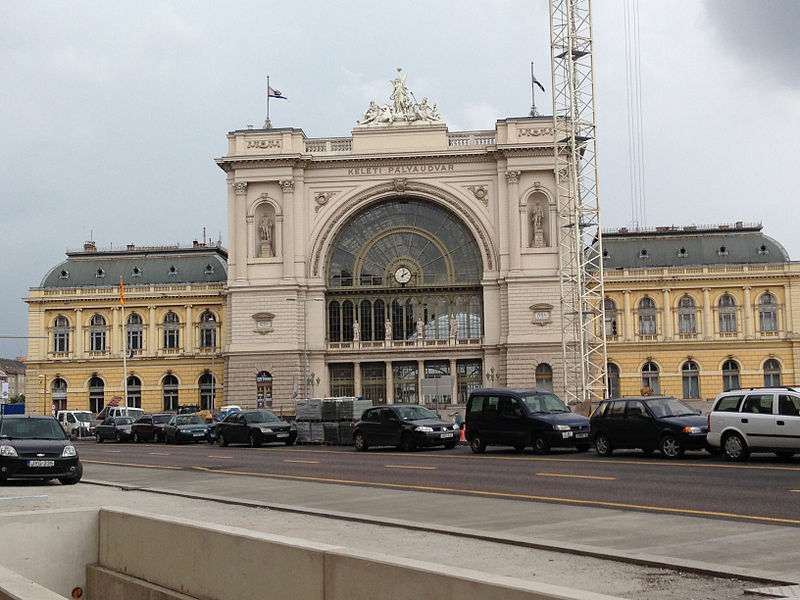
207 391
768 313
544 377
647 316
169 387
347 321
610 322
171 329
97 334
379 318
59 394
727 314
690 375
650 378
134 391
612 371
442 318
61 335
730 376
365 320
208 330
334 325
772 373
96 394
264 389
134 332
687 316
475 317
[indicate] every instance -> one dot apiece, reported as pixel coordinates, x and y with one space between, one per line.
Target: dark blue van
521 418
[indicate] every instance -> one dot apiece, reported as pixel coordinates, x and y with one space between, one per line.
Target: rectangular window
758 403
342 379
687 323
727 322
61 342
170 339
729 404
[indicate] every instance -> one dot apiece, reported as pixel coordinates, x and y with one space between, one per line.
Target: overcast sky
111 113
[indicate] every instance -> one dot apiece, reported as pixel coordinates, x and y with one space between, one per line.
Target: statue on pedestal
387 328
265 231
537 223
356 332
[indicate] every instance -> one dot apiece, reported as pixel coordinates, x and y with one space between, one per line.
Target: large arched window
730 375
610 322
97 334
650 378
208 330
264 389
207 391
134 391
61 335
647 316
171 330
169 390
612 370
96 394
772 373
690 376
59 394
727 314
134 332
687 316
544 377
767 313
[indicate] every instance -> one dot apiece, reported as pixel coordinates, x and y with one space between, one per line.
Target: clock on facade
402 275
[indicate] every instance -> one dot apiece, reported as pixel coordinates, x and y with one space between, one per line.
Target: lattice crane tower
580 240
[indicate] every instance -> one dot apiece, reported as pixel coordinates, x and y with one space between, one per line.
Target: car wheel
582 447
221 439
450 445
407 443
360 442
735 447
73 479
540 444
477 445
602 445
118 437
99 439
156 437
253 441
671 447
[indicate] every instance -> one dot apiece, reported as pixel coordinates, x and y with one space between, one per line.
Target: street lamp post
44 394
305 339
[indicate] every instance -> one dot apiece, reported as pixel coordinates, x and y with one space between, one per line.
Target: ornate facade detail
240 187
322 198
263 322
403 108
287 185
263 143
541 314
512 176
399 184
481 192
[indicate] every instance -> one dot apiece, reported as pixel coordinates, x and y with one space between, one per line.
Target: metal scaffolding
579 242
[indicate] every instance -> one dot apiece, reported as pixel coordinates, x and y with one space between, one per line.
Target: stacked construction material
328 420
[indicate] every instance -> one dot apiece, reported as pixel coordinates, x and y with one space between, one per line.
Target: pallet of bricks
328 420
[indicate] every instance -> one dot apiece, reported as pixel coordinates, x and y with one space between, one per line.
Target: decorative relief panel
541 314
481 192
322 198
263 143
263 322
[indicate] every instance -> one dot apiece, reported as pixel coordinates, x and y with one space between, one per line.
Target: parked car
36 447
76 422
114 428
407 426
117 411
523 417
648 423
149 427
758 419
185 428
254 427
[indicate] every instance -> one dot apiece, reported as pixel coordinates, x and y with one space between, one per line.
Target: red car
150 428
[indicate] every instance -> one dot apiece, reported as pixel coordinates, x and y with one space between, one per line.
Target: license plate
581 435
447 435
41 463
282 435
199 434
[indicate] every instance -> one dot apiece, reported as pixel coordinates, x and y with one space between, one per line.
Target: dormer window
209 271
136 272
606 255
643 253
723 251
682 253
64 274
173 271
763 250
99 274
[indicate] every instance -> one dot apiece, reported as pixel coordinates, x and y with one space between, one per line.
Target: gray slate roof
151 266
674 247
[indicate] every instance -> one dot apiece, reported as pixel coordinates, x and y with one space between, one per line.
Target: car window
729 403
491 405
477 404
387 414
669 407
758 403
161 418
789 405
84 417
412 413
109 421
190 420
547 403
636 409
600 410
41 429
616 409
123 420
509 407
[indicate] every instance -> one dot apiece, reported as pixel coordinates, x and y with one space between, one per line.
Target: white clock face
402 275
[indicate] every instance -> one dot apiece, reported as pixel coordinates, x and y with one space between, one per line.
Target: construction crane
580 240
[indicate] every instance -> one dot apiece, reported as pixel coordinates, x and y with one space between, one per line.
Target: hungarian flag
121 292
273 93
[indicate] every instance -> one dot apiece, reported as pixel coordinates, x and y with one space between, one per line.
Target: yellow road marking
485 493
118 464
113 451
577 476
409 467
306 462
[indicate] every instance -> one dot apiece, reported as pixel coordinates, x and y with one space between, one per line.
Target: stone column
116 331
287 186
454 374
188 342
357 379
78 344
420 377
627 316
239 227
708 328
389 383
502 217
749 329
667 314
152 332
514 218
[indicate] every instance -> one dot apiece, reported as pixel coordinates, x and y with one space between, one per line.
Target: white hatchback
758 419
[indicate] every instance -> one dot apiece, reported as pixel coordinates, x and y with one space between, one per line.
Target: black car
185 428
36 447
648 423
407 426
523 417
150 427
114 428
254 427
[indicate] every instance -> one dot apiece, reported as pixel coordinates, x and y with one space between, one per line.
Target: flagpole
267 124
534 112
124 345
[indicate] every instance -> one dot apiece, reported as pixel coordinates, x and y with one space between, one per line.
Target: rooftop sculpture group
404 107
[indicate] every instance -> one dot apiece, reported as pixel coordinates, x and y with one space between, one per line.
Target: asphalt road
764 489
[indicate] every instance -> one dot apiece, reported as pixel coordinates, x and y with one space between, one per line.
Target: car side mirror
72 437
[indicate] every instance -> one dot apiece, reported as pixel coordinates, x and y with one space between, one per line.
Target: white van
117 411
76 422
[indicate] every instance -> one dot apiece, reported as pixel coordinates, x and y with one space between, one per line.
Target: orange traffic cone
463 437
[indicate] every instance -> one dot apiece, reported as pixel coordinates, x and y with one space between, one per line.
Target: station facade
362 265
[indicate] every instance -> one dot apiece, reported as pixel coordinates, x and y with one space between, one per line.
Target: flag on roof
121 292
273 93
536 81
